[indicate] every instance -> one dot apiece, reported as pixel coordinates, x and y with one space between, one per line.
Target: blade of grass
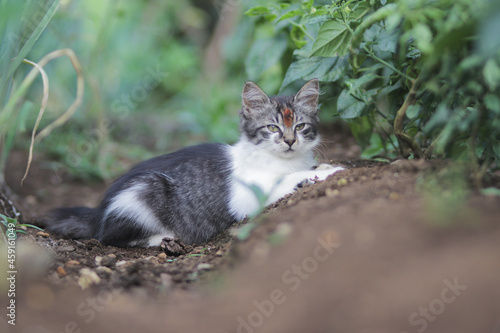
30 226
33 37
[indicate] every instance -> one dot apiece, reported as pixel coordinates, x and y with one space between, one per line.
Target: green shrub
416 78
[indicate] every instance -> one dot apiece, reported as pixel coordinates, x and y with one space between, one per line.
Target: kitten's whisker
324 145
319 150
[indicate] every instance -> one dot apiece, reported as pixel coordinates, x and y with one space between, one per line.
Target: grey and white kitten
198 191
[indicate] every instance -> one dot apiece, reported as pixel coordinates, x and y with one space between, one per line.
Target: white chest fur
273 175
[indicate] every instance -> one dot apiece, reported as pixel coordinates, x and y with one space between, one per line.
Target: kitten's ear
253 98
307 97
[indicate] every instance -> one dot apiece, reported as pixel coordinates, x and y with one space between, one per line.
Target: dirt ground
406 246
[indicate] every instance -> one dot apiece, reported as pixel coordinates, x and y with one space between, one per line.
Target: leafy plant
414 78
13 227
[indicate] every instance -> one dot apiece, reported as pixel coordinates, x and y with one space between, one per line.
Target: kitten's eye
300 127
273 128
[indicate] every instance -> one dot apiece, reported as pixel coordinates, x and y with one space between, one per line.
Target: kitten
198 191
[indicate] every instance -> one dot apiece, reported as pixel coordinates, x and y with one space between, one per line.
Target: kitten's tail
71 222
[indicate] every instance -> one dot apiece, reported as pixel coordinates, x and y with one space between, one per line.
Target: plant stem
400 116
385 63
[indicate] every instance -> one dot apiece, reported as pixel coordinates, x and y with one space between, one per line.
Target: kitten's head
284 125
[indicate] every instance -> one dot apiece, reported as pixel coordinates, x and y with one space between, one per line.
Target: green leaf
297 36
317 19
423 38
333 40
264 54
258 10
491 73
29 226
479 150
388 40
376 147
324 69
308 4
290 14
362 130
493 103
359 11
411 130
348 106
471 62
6 220
363 80
496 147
413 111
488 41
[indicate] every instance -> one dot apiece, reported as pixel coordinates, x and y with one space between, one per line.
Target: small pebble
43 234
204 267
122 263
342 182
72 263
219 253
87 278
283 229
109 260
61 271
68 248
104 271
162 257
98 260
331 192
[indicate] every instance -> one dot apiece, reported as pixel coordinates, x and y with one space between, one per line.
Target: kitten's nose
289 142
